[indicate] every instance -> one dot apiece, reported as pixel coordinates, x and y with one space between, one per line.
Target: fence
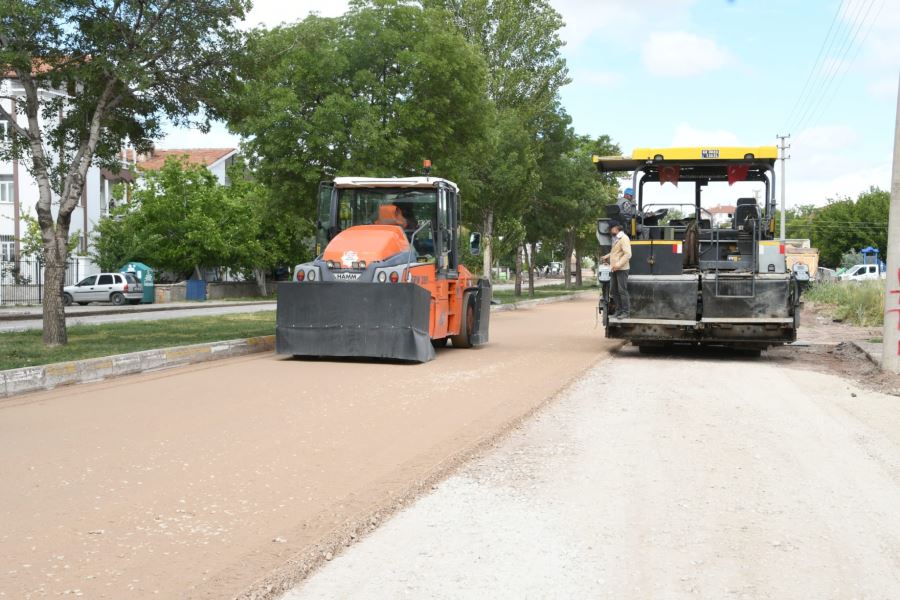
22 281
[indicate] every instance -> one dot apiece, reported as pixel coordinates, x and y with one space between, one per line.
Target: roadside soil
236 478
830 351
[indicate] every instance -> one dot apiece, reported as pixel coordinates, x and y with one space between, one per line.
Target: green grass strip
25 348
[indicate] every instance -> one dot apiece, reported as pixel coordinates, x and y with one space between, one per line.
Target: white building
722 215
19 192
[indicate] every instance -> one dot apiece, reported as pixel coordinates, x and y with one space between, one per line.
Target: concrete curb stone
48 377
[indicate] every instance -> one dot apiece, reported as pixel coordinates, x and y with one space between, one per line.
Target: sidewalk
25 313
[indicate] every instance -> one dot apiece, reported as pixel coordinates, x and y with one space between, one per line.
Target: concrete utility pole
784 157
890 356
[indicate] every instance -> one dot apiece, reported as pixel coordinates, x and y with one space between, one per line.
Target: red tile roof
194 156
723 210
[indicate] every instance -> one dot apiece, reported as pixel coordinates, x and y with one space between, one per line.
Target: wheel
67 299
467 328
118 299
440 342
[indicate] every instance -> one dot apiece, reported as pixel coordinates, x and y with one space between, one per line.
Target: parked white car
862 273
117 288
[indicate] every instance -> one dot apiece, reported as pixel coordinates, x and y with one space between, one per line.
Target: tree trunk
567 258
578 281
260 275
518 284
52 302
487 244
529 254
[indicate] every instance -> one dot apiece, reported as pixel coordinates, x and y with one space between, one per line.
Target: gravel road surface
659 477
208 481
156 315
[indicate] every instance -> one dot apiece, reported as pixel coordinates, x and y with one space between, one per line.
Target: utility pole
890 355
784 157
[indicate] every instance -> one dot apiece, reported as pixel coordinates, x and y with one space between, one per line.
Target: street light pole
890 355
784 157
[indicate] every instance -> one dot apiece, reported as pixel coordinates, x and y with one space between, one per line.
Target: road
754 481
206 481
130 314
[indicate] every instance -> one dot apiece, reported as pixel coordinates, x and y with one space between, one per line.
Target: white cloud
618 18
218 137
835 184
274 12
682 54
686 135
818 139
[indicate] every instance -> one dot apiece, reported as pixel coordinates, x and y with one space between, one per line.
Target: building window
6 189
7 248
4 128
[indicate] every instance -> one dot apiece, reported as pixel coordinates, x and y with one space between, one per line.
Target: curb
48 377
873 359
538 301
128 311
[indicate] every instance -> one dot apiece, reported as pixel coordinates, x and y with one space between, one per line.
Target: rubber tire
440 342
464 339
67 299
118 299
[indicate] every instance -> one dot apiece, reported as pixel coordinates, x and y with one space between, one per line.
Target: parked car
117 288
863 273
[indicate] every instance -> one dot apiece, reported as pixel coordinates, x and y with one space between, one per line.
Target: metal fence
22 281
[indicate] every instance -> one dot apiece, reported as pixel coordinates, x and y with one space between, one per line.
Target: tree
270 236
521 45
93 74
373 92
845 223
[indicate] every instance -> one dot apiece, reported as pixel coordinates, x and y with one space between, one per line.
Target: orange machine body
368 244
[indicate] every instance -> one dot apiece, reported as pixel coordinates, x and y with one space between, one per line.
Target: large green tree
92 74
842 225
519 40
373 92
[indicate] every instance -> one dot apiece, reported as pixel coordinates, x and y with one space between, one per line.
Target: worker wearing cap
626 203
619 259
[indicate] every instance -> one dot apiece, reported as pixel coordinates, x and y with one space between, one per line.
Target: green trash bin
144 274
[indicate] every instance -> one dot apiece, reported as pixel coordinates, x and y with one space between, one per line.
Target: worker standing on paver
619 259
626 204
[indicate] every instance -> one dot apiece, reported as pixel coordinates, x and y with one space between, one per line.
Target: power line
845 67
815 66
856 22
839 64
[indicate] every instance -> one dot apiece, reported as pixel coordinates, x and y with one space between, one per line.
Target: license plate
347 276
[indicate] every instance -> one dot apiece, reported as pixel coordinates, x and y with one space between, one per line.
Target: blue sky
707 72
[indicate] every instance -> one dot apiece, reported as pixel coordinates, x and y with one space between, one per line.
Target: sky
716 72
